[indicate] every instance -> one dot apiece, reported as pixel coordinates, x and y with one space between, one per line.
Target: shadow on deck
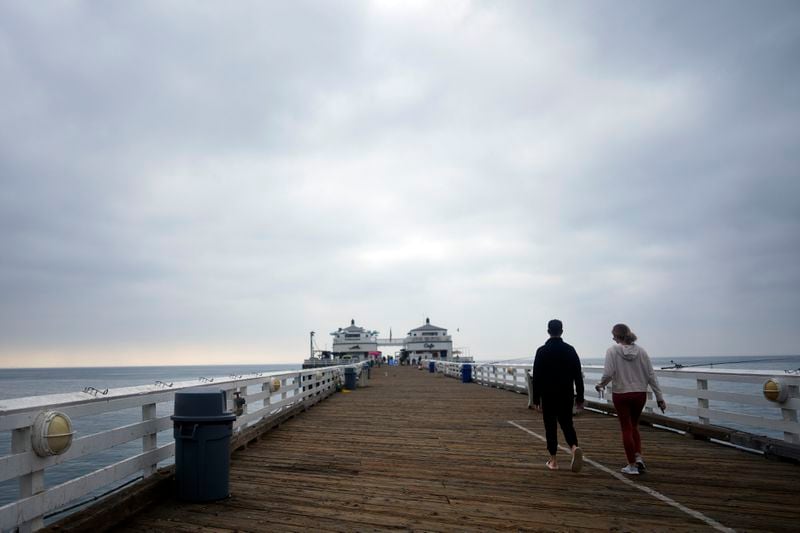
418 451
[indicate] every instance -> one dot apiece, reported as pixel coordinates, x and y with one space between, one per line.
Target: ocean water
21 382
16 383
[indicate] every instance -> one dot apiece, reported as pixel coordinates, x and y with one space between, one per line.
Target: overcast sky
207 182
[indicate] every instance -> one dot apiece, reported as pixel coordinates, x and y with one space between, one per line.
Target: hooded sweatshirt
629 369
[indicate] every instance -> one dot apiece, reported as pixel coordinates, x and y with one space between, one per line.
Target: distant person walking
556 368
630 371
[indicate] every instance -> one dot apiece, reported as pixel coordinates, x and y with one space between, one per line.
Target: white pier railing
266 396
731 398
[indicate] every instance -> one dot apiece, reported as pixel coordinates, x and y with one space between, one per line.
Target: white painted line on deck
647 490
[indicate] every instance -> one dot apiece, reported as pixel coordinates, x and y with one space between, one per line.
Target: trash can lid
201 406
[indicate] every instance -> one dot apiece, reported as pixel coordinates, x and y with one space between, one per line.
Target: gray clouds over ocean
196 182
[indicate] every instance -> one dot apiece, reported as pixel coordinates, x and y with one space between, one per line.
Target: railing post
702 403
327 380
29 484
529 387
243 396
790 415
267 387
300 389
230 400
316 382
150 440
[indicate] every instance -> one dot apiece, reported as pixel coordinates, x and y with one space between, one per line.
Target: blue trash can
431 366
350 378
466 373
202 430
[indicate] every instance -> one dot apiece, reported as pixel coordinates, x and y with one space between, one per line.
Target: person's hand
662 405
598 388
538 407
579 406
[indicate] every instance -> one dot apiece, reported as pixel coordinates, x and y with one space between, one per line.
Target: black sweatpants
557 411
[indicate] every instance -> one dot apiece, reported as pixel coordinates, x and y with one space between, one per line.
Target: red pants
629 407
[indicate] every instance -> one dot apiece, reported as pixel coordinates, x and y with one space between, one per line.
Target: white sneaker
640 464
577 460
631 470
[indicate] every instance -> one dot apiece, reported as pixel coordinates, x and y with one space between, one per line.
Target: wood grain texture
418 451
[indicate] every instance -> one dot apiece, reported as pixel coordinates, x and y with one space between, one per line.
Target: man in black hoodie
555 369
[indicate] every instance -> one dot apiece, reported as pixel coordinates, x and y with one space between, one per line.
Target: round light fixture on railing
275 385
775 390
51 433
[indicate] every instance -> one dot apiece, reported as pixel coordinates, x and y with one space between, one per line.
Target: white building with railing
428 342
354 343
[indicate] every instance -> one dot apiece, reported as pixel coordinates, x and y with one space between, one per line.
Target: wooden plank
118 507
418 451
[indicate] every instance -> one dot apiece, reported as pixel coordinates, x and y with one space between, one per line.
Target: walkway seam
647 490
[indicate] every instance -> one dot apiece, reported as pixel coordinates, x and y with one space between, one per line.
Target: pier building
354 343
429 342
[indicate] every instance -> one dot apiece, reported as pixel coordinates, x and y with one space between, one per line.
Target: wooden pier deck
419 451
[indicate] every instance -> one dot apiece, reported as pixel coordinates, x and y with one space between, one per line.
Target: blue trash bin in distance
202 430
431 366
466 373
350 378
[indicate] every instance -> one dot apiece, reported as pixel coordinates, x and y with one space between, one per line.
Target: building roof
428 327
352 328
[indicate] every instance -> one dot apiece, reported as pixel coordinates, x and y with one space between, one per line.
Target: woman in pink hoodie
629 369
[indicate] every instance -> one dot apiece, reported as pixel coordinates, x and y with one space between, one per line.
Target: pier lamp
775 390
275 385
51 433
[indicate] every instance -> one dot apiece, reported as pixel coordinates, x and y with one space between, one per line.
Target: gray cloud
223 180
